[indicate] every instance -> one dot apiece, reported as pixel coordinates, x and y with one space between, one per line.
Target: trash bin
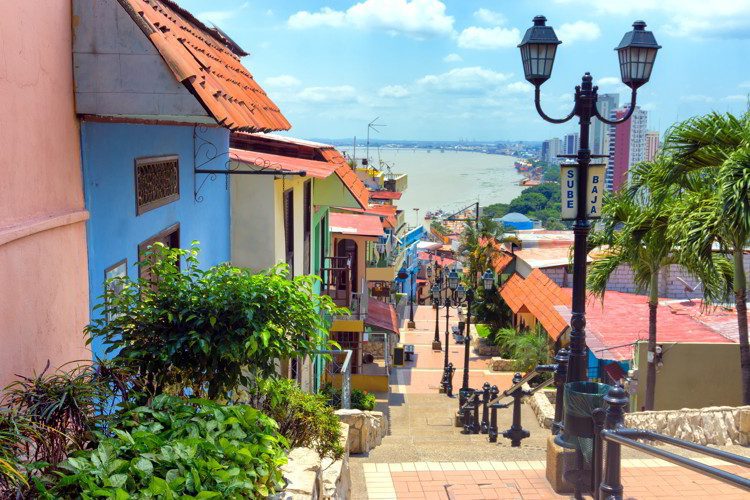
579 403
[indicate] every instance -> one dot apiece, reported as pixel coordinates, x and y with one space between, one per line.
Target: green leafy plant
177 448
528 348
360 400
304 419
16 434
208 332
64 406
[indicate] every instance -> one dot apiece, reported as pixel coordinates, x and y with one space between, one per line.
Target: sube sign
569 194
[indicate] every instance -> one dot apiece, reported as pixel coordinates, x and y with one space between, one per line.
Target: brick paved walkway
424 456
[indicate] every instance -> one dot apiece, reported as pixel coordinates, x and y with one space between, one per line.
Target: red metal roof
356 224
441 261
615 324
540 296
386 212
381 315
348 176
385 195
312 168
208 63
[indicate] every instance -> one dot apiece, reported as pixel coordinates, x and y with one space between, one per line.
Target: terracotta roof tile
208 63
350 179
540 296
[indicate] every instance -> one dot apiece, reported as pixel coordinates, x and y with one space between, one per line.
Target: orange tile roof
208 63
348 176
312 168
539 295
501 261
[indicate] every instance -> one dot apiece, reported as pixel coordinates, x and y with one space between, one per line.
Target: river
450 180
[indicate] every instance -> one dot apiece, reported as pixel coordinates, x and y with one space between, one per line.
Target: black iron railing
610 429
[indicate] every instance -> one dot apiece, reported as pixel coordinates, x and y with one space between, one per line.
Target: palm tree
711 170
635 233
480 244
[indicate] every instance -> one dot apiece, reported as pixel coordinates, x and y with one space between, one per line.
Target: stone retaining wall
717 425
502 364
366 428
374 347
483 348
309 477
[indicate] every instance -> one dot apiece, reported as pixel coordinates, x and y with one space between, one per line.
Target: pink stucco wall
43 282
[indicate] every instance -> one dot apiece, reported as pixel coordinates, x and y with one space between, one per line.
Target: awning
355 224
312 168
381 316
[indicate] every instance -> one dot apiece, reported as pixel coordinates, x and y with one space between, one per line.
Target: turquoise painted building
153 115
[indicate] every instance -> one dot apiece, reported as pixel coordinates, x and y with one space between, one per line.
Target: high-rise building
627 146
652 144
550 149
571 143
600 130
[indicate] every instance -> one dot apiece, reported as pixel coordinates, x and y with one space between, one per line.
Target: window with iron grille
307 203
289 228
157 182
170 237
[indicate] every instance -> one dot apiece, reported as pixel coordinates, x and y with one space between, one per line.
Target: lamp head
538 49
637 52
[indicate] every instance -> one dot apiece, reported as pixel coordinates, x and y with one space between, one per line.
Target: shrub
64 408
16 432
360 400
209 331
177 447
527 347
304 419
363 400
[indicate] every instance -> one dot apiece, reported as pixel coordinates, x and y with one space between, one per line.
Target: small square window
157 182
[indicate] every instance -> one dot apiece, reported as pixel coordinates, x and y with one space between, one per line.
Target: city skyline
436 70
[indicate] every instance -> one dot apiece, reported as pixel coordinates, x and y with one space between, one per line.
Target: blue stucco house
155 110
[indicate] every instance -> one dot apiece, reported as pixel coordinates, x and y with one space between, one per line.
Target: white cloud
737 97
417 18
452 58
221 16
475 37
685 18
520 87
579 30
473 79
282 82
338 93
393 91
697 98
608 81
744 85
490 17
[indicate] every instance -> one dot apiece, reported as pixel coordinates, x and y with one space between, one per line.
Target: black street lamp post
488 283
636 54
411 325
436 289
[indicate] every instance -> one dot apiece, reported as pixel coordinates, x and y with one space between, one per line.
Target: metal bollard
467 416
485 410
492 431
561 374
516 432
449 374
598 415
611 485
477 401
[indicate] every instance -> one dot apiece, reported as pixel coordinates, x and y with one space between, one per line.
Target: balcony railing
336 276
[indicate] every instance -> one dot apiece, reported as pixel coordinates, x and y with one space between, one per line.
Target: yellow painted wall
694 375
369 383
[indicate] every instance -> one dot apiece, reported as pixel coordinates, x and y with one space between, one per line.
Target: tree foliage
708 180
209 331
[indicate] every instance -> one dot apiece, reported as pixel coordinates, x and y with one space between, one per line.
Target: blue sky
449 70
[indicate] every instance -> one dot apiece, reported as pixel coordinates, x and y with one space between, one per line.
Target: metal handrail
627 437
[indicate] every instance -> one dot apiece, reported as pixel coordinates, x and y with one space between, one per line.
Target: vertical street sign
569 191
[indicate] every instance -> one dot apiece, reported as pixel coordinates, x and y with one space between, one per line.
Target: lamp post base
410 325
437 345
